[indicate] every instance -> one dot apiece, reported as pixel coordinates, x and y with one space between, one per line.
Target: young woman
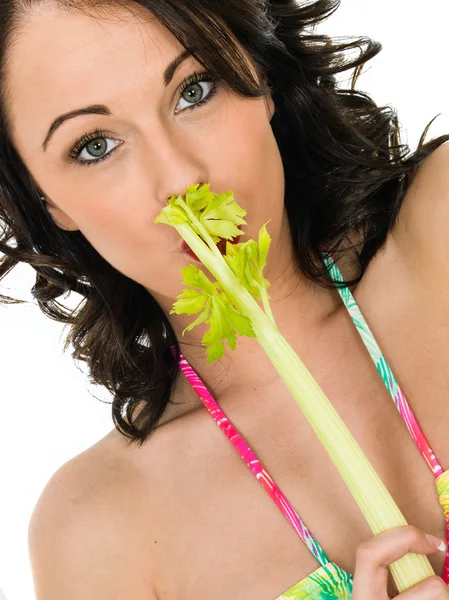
109 108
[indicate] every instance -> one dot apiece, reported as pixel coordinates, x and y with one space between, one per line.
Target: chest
222 536
228 538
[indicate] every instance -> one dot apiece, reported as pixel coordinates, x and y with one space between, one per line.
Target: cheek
261 181
127 238
258 172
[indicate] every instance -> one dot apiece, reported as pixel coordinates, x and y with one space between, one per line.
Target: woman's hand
373 556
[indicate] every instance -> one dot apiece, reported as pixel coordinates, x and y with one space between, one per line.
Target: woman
156 96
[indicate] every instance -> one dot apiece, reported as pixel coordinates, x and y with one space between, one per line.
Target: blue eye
95 144
97 149
191 84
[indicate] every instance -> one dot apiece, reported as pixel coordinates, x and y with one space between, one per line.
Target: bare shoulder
86 539
424 214
436 162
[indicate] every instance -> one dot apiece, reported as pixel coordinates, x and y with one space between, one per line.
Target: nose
176 162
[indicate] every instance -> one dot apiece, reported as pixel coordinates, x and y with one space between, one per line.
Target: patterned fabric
399 399
443 492
329 581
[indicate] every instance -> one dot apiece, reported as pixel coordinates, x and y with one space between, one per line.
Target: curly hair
346 174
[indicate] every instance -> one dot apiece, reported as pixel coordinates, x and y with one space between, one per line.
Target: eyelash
101 134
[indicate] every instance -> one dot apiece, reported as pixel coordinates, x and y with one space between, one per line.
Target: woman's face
154 145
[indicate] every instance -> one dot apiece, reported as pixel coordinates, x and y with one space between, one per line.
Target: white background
49 412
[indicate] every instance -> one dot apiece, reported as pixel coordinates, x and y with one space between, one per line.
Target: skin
63 61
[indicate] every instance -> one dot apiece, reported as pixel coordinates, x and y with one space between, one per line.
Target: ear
61 219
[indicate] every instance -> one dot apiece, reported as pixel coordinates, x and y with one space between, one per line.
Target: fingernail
436 542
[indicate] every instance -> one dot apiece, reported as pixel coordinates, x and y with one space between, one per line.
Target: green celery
230 306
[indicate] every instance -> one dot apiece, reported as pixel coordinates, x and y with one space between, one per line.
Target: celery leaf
218 214
216 309
248 259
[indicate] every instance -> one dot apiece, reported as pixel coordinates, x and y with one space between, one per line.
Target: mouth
221 245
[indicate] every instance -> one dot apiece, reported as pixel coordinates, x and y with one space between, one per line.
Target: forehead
66 60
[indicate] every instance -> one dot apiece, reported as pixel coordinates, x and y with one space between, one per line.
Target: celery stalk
230 306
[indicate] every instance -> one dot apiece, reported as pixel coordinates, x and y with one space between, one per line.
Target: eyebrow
101 109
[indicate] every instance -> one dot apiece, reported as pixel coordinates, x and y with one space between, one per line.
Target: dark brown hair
346 172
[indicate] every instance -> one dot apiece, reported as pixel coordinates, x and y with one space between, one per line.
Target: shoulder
84 537
422 225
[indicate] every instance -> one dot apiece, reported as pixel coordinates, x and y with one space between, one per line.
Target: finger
432 588
374 555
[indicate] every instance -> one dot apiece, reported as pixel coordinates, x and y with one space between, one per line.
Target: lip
185 248
221 245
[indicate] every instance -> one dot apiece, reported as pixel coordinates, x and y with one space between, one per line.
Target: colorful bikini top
329 581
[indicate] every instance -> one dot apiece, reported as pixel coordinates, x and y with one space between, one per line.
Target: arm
82 544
